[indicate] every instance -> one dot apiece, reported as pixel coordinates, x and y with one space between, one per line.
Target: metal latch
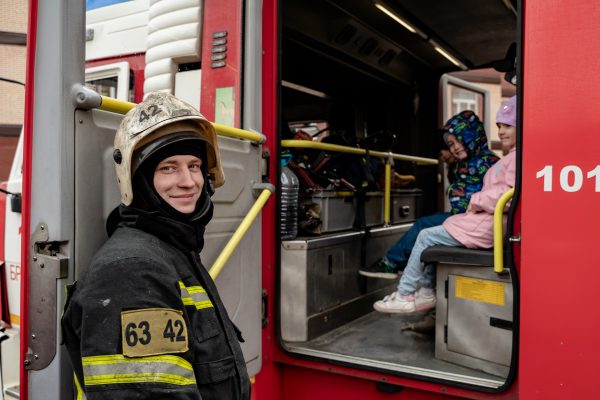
405 211
47 265
264 163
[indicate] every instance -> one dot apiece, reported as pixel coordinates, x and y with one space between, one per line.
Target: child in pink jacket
473 229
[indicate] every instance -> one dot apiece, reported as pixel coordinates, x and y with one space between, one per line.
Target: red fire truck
516 321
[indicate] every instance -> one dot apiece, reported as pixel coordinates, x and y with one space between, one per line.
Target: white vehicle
10 256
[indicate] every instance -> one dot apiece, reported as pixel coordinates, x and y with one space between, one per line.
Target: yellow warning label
15 319
480 290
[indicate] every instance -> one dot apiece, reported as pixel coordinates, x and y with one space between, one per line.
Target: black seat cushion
458 255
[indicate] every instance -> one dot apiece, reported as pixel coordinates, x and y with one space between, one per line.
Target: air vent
387 57
368 47
345 35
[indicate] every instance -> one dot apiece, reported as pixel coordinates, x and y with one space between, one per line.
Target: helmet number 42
152 110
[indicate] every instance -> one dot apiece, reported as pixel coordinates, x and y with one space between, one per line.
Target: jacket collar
184 236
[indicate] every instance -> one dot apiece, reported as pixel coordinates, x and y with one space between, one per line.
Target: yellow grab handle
115 106
307 144
237 236
122 107
498 231
232 132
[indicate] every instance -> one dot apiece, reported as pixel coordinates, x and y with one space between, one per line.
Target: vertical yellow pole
498 231
388 191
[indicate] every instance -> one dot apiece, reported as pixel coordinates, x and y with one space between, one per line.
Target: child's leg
413 273
400 251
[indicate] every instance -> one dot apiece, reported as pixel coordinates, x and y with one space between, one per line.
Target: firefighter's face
456 147
178 180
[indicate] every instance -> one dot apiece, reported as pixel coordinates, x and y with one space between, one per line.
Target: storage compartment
474 318
373 209
405 205
337 211
320 283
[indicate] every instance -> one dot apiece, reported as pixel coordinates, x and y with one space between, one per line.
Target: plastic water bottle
289 200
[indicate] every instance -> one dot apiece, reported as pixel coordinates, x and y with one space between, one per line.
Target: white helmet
159 120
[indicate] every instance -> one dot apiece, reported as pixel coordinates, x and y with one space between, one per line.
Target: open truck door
70 188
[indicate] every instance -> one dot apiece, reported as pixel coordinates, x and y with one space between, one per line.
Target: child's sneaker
425 299
381 268
396 303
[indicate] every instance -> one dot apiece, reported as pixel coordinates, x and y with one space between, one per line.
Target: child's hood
469 130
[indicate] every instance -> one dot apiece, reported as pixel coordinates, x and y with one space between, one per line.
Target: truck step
12 392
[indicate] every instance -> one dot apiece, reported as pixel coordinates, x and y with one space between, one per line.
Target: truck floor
377 341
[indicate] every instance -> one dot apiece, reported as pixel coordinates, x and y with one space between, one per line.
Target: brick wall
12 96
7 152
13 19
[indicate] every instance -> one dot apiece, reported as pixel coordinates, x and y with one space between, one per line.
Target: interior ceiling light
303 89
395 17
412 29
447 55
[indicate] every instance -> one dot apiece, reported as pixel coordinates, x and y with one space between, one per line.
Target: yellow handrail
237 236
307 144
115 106
498 234
122 107
230 131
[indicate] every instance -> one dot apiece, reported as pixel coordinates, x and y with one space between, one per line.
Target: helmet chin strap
209 182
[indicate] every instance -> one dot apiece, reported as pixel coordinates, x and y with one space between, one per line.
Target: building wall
13 28
499 91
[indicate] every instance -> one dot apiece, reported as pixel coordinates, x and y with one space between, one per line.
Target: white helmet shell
160 116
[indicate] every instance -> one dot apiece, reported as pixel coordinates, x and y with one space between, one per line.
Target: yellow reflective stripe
195 296
146 377
195 289
187 301
79 395
203 304
117 369
119 358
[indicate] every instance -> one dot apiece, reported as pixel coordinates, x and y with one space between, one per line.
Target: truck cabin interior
367 73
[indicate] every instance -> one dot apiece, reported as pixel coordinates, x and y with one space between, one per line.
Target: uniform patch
153 331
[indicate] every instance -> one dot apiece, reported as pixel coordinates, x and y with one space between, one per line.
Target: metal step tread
13 392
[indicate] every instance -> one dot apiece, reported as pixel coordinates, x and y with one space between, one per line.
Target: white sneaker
425 299
396 303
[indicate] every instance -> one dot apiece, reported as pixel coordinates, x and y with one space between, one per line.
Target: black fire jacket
145 321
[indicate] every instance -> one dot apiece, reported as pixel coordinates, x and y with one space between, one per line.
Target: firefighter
145 320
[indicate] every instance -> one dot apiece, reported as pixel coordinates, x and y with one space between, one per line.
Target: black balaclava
145 196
